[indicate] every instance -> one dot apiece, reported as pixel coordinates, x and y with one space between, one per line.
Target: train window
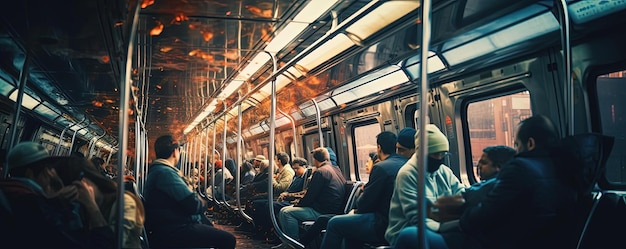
364 140
612 107
412 116
492 122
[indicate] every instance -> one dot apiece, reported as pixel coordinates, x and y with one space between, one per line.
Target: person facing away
324 195
440 181
105 195
369 222
41 205
531 200
285 174
173 211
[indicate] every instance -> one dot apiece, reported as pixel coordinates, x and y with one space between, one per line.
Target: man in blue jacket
173 211
370 220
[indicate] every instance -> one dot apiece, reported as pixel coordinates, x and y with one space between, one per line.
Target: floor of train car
245 240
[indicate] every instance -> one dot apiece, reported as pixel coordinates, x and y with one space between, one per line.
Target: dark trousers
261 216
190 235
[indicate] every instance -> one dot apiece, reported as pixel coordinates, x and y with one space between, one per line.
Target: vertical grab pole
239 162
213 162
423 151
270 189
123 123
293 128
224 154
206 160
319 122
18 102
563 17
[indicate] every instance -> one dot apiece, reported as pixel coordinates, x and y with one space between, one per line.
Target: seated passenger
221 173
440 181
532 201
105 195
173 212
260 208
324 195
42 206
247 173
369 222
489 165
285 173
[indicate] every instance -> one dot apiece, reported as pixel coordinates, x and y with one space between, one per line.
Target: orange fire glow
166 49
180 18
157 29
97 103
259 12
146 3
207 35
105 59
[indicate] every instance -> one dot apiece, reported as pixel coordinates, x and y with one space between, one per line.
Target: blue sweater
168 200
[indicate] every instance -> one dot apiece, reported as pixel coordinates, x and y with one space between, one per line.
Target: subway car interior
233 79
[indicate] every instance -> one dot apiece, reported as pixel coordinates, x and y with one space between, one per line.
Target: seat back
353 190
306 176
586 156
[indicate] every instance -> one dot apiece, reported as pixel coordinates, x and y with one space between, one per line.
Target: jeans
291 217
354 228
408 239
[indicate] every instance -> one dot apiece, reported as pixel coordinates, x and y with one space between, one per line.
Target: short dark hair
300 161
283 158
164 146
499 155
541 129
320 154
387 142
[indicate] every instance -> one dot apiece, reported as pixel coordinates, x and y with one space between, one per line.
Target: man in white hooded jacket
440 181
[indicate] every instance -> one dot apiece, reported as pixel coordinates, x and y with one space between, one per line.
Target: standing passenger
440 181
370 221
173 211
324 195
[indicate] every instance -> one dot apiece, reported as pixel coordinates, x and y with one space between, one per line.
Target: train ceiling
194 58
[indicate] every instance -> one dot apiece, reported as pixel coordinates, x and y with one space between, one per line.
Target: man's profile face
486 169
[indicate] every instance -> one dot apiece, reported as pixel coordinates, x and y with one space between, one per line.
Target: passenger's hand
447 208
66 194
86 193
282 196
